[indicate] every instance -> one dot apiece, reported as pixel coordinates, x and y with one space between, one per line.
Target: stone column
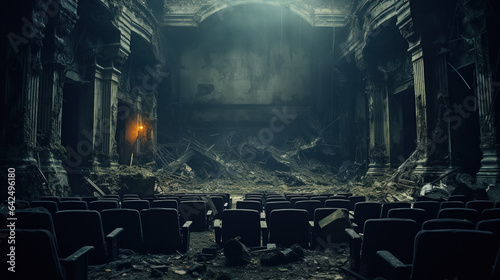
21 109
106 84
56 55
430 85
487 98
379 145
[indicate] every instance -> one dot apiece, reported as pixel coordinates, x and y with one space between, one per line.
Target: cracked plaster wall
255 56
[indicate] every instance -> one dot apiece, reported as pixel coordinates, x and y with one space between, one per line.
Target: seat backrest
460 213
161 231
100 205
458 197
492 213
338 196
130 221
447 224
73 205
27 219
128 198
112 196
480 205
492 225
418 215
294 200
364 211
452 204
88 199
35 256
71 198
390 205
392 234
165 203
241 222
309 206
190 197
50 198
321 198
289 226
247 204
51 206
275 199
78 228
251 198
431 208
194 210
137 204
19 203
219 205
346 194
289 196
270 206
453 254
337 203
321 213
355 199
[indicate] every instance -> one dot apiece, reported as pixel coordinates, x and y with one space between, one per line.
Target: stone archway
318 13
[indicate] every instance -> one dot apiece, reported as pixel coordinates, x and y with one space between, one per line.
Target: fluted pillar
19 114
56 56
486 90
378 118
431 95
106 83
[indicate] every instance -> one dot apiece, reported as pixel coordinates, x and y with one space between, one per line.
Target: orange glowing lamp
141 127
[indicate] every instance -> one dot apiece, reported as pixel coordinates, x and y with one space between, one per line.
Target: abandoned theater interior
250 139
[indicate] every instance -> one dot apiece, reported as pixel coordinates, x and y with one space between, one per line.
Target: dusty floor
315 265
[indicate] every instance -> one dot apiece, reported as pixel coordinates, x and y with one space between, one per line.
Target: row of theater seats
424 240
41 239
81 237
454 239
88 232
183 203
396 248
285 226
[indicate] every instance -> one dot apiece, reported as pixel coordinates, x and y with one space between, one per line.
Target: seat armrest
265 233
218 231
354 226
311 224
263 215
354 248
226 205
113 243
185 232
209 218
76 265
351 215
393 267
310 231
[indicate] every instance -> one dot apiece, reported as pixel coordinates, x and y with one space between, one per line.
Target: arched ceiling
321 13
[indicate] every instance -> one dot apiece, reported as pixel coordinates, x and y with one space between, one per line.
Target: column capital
117 53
